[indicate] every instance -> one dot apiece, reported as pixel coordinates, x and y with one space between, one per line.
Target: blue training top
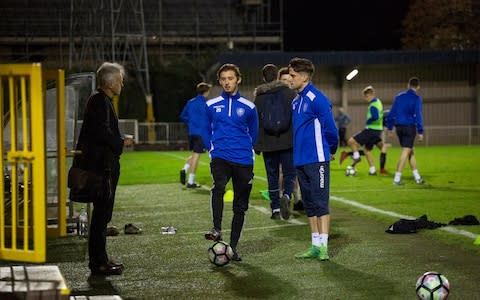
195 117
234 128
315 134
406 110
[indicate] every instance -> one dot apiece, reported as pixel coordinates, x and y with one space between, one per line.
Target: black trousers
101 216
242 180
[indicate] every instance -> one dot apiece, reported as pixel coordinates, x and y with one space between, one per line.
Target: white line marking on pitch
371 209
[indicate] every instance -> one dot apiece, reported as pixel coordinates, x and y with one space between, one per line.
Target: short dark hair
302 65
368 90
282 71
414 82
229 67
203 87
269 72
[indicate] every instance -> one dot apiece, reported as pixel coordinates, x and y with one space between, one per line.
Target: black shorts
406 135
368 138
196 143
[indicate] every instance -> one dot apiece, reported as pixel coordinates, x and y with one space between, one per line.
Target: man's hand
128 140
420 137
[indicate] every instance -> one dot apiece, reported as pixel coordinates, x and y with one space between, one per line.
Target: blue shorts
368 138
314 180
196 143
406 135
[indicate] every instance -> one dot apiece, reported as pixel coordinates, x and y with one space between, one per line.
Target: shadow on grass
246 283
359 285
67 249
97 285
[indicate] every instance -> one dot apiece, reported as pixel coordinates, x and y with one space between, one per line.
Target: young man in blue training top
315 141
194 116
407 117
234 124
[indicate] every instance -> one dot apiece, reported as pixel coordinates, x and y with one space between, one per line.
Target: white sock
191 178
186 167
372 170
316 239
397 177
416 174
356 155
323 239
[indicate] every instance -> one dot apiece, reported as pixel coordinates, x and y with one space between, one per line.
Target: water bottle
83 223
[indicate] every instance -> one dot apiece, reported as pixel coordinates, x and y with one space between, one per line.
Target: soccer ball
350 171
220 253
432 286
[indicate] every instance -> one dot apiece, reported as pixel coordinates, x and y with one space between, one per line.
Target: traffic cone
477 241
228 196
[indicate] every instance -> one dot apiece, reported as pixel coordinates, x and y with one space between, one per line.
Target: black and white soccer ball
432 286
220 253
350 171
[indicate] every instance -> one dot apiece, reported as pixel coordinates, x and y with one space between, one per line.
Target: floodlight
352 74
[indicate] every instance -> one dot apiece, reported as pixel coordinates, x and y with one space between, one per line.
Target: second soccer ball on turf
350 171
220 253
432 286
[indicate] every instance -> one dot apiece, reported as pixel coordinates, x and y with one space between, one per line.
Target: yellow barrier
22 208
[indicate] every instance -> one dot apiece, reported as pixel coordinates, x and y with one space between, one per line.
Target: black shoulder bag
84 184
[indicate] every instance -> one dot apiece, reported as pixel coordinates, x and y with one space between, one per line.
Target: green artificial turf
365 262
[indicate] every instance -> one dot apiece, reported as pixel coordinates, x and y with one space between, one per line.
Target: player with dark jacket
277 149
234 124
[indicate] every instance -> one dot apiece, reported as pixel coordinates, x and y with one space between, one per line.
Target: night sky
343 25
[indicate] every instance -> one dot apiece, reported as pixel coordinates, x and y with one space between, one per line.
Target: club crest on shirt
218 108
240 111
305 107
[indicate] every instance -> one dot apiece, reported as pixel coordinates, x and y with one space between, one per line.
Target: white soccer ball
432 286
350 171
220 253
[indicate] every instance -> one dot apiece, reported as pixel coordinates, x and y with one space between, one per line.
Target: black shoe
193 185
214 235
285 207
112 231
132 229
298 206
183 176
108 268
236 256
275 216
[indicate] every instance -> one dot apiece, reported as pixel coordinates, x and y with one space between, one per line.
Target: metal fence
175 135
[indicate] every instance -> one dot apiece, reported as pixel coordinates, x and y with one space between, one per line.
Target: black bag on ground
402 226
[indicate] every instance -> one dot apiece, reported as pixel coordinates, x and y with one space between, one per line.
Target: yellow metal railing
61 154
22 210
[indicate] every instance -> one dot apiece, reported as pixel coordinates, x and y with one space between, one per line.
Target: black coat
266 142
100 139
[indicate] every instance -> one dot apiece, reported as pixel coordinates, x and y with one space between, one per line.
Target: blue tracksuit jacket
315 133
406 110
194 116
234 125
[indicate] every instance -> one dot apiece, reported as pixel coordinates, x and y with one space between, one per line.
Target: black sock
383 160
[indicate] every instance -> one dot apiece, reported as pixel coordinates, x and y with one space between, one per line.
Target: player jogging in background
407 117
194 116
